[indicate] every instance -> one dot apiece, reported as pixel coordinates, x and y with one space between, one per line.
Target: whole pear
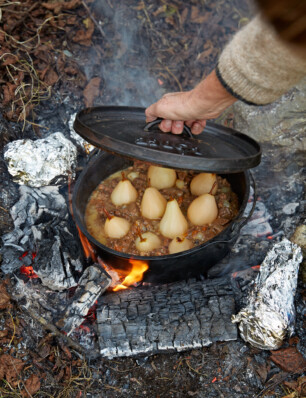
203 210
116 227
179 245
173 223
123 193
153 204
203 183
161 177
147 242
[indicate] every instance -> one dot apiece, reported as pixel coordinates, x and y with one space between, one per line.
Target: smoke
125 64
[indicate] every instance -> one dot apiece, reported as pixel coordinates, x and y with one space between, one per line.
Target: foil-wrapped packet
85 145
270 314
41 162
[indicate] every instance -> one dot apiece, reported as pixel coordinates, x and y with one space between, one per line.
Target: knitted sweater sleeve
257 67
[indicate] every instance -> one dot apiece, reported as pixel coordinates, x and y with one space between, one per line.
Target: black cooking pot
122 131
170 267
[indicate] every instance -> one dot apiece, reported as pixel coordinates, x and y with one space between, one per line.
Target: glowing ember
136 274
23 255
28 271
92 314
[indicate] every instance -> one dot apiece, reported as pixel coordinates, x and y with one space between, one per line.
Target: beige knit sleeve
257 67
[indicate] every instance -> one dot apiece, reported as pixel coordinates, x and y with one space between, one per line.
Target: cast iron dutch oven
122 133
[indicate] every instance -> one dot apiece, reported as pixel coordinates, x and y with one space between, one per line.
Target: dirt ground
56 58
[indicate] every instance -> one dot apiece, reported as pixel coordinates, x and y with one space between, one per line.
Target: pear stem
139 234
213 187
180 200
109 216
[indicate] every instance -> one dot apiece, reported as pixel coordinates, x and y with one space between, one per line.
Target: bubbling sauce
100 207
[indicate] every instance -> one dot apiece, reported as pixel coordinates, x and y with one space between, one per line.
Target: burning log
93 282
171 317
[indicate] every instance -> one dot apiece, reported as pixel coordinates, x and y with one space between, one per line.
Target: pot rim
128 256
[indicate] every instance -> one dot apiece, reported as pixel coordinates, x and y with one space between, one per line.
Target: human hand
206 101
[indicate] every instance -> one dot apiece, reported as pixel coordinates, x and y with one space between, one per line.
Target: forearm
258 67
209 98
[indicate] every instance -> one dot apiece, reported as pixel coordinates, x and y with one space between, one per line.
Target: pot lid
123 130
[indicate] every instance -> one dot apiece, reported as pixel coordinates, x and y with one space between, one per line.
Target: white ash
41 221
33 205
259 224
41 162
55 268
83 144
290 208
93 282
269 315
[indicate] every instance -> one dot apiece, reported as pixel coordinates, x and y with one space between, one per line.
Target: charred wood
93 282
173 317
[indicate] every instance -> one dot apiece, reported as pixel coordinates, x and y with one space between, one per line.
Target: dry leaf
289 359
196 18
160 10
204 54
62 5
10 369
91 91
2 37
32 385
51 77
8 96
9 59
4 297
299 387
84 36
194 12
3 333
184 15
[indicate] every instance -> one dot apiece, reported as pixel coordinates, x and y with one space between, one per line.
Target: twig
112 387
147 15
174 77
93 19
48 326
2 208
275 384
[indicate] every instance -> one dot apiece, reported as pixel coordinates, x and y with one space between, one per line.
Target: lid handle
149 125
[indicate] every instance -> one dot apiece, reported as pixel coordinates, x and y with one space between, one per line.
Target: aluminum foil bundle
41 162
270 314
85 145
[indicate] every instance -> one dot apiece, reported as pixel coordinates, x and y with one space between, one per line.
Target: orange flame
89 251
136 274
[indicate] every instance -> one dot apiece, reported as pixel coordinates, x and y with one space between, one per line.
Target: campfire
48 252
101 307
121 279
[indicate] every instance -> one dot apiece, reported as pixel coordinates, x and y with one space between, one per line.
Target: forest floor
73 54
